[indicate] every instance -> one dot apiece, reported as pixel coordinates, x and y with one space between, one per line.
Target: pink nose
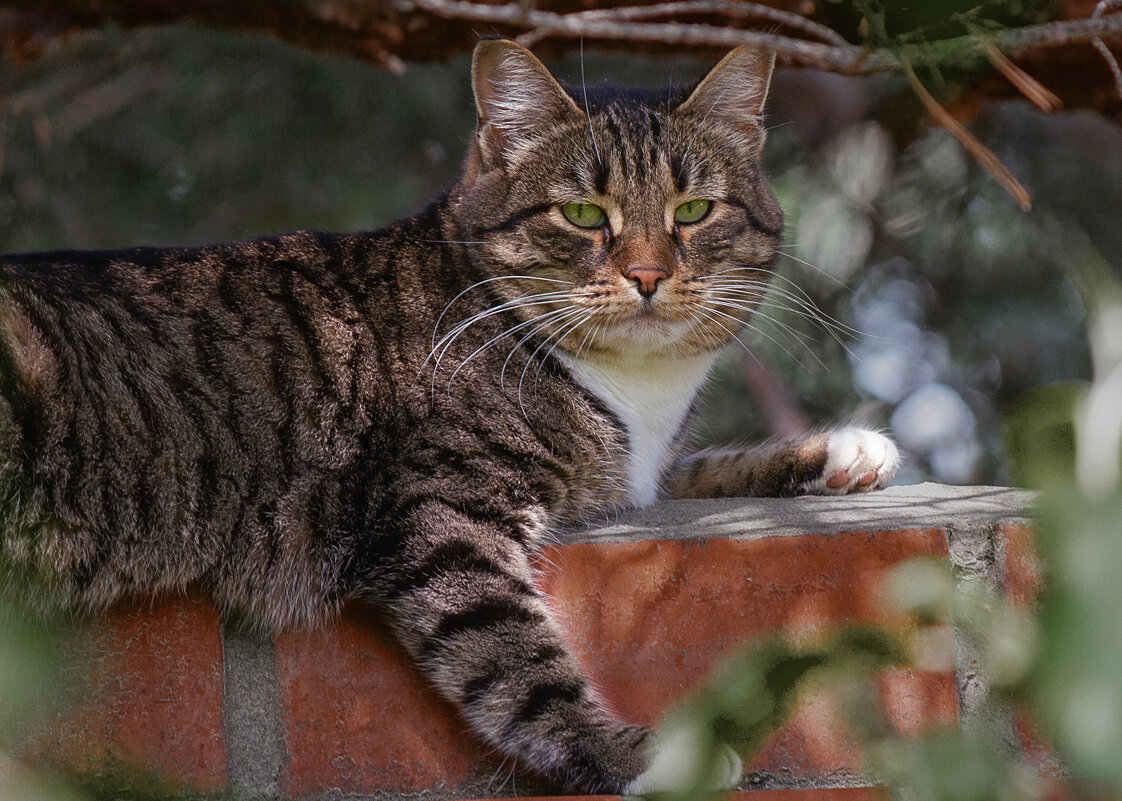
646 279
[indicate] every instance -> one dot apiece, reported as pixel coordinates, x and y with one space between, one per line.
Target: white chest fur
651 396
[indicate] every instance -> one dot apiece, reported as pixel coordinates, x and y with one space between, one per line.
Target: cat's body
403 415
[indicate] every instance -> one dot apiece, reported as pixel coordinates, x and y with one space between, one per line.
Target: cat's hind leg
834 462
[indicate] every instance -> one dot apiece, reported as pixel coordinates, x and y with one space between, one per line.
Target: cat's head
639 218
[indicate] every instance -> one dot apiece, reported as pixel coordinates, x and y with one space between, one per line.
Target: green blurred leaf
1006 637
754 691
1040 433
1078 685
953 765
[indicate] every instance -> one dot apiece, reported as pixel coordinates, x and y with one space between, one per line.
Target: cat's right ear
734 91
516 99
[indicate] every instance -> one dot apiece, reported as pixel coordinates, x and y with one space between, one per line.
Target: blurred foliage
41 673
753 692
28 675
30 678
181 136
1065 662
1077 690
743 702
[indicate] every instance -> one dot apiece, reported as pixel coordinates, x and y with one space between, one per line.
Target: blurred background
914 294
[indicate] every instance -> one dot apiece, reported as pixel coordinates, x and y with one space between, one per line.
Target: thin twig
780 410
1100 45
540 24
982 154
1027 85
734 9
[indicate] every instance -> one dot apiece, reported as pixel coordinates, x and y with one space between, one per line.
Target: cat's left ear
516 98
734 91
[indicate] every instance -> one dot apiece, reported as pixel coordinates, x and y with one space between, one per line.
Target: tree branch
622 25
732 9
1100 45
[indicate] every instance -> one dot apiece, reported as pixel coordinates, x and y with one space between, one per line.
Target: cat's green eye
691 211
584 215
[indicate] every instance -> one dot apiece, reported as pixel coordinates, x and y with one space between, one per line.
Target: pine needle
982 154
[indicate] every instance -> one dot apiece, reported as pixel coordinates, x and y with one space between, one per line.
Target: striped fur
403 415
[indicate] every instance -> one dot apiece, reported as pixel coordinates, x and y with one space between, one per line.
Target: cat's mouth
649 312
648 322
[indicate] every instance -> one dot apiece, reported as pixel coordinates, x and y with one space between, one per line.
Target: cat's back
162 409
234 313
244 277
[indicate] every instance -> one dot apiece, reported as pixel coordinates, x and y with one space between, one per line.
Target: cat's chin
644 334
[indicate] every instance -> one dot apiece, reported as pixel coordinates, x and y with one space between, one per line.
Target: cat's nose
646 279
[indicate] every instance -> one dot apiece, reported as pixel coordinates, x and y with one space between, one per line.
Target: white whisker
584 89
589 337
768 336
563 318
796 295
522 302
754 312
817 269
561 334
733 336
478 284
540 320
801 307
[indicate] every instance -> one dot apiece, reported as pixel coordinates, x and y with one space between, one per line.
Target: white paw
678 762
856 461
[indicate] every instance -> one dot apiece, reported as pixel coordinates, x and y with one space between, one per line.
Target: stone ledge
910 506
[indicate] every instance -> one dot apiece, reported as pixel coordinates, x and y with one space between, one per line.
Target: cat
403 415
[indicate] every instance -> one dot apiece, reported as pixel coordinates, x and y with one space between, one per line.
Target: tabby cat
403 415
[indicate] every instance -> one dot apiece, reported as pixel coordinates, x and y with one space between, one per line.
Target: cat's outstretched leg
832 462
459 589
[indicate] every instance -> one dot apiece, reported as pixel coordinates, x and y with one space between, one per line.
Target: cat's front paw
676 764
857 460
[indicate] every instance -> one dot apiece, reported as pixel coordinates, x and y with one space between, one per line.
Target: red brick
1037 750
359 717
151 702
1022 573
649 619
915 700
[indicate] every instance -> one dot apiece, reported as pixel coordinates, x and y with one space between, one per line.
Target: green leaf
1078 688
1040 434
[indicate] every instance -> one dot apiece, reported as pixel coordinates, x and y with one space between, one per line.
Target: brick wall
649 602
